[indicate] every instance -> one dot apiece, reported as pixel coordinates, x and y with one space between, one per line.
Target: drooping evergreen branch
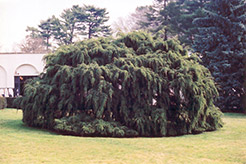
135 85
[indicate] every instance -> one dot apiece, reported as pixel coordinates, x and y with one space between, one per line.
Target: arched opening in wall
22 74
3 80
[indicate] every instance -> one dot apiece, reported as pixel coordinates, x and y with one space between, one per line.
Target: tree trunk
165 18
89 34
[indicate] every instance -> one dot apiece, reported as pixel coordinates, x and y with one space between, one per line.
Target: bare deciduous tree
131 23
32 45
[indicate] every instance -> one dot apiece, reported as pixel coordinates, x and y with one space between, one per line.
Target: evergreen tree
95 22
222 44
135 85
173 18
189 10
75 23
158 16
33 32
69 26
46 31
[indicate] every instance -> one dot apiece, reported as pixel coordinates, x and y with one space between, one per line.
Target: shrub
3 102
135 85
10 102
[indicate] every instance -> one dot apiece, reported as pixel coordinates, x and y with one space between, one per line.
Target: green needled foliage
222 42
135 85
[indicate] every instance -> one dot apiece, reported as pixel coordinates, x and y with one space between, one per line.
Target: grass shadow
16 125
234 115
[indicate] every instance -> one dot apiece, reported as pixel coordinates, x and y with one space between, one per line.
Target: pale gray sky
16 15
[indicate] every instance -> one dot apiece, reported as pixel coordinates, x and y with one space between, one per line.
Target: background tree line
169 18
216 29
74 24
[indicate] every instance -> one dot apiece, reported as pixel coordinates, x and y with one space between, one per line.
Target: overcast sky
16 15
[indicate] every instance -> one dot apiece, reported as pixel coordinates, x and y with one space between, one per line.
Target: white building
15 68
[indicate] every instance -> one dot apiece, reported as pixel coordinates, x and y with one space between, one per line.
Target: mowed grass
21 144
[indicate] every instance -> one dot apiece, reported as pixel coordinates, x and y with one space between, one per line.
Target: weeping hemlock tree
135 85
222 42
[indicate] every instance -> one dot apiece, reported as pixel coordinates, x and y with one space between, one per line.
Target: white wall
18 65
3 77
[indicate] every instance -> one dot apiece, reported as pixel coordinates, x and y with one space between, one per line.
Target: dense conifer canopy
222 42
135 85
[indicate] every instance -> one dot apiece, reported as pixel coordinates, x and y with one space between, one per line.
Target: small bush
3 102
10 102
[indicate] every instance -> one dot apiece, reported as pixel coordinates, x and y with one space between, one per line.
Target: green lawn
21 144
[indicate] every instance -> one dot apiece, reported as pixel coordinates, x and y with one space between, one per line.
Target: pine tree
95 22
189 10
74 24
135 85
173 18
160 17
222 43
69 26
46 31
